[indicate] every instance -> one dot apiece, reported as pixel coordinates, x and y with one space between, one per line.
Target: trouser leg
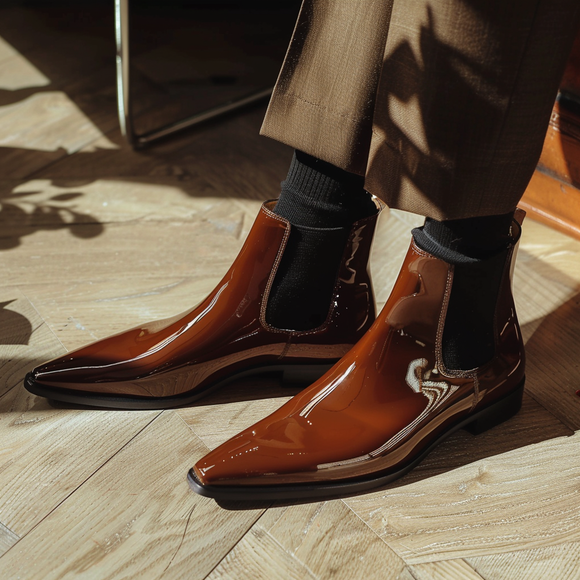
443 105
324 99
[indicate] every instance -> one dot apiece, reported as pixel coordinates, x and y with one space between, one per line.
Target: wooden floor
95 237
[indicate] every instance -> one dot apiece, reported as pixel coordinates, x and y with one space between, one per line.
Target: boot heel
302 375
497 413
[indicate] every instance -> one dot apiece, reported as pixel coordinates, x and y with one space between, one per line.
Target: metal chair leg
124 91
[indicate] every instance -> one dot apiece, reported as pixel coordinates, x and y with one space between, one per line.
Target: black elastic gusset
469 334
302 289
478 249
317 194
321 202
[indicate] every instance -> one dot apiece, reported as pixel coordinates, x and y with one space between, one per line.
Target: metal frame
124 91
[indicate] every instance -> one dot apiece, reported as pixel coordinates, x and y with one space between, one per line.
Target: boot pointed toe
175 361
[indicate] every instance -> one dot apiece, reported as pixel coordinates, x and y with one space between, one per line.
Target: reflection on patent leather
175 361
376 413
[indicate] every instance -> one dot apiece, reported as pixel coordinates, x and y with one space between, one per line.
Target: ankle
319 195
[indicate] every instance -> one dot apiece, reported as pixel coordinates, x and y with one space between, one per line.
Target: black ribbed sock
477 247
321 202
317 194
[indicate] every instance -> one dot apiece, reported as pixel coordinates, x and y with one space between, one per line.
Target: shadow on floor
15 328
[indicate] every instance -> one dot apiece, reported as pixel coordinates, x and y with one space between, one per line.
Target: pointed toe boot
173 362
383 406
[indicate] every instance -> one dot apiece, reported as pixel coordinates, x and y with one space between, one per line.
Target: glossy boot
384 406
174 361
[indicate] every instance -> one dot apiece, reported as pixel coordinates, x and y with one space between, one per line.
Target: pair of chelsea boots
365 420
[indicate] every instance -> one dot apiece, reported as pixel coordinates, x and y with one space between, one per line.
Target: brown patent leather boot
383 407
175 361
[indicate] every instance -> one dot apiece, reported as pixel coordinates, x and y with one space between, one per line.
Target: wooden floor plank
35 128
56 42
138 251
136 517
259 557
54 100
334 543
17 73
47 453
554 253
547 291
230 156
507 502
7 539
560 561
74 237
45 202
445 570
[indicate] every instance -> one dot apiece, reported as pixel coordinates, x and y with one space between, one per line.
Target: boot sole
477 423
291 376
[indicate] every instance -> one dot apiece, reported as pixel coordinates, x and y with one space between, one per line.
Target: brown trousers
442 104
